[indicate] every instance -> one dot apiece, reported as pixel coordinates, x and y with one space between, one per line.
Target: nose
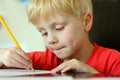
52 39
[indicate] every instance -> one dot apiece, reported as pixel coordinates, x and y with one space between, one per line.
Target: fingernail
62 71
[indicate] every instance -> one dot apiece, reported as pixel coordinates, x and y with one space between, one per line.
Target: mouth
58 48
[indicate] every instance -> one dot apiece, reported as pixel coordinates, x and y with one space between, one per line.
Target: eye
58 28
44 34
42 31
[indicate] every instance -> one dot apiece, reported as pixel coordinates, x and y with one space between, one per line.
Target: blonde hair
46 8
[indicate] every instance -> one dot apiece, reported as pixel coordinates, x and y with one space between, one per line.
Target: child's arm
14 58
75 65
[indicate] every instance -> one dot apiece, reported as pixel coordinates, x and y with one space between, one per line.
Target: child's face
63 34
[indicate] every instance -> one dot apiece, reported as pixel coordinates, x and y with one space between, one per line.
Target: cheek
67 36
67 39
45 41
74 39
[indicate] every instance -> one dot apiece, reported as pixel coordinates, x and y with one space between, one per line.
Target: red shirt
104 60
44 60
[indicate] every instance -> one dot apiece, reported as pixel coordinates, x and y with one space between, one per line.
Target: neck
85 52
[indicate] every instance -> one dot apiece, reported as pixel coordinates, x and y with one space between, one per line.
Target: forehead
53 18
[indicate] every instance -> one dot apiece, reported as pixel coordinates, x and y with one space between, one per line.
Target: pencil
11 35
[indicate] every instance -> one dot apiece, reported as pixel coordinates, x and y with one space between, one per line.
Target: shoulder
105 60
103 51
105 56
102 55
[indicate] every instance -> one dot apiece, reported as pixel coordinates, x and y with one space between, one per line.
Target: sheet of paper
18 72
39 78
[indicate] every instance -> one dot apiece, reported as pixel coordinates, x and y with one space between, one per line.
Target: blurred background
14 14
105 30
106 26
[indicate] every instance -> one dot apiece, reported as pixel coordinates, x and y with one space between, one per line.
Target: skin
14 58
63 34
67 37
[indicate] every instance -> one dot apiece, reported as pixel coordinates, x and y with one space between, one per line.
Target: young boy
65 26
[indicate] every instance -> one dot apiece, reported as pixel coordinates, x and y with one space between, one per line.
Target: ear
88 20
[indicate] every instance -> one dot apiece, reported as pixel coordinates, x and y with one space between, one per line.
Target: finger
20 64
58 69
55 74
14 63
23 54
65 69
19 51
21 59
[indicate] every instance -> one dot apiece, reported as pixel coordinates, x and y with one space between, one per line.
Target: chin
62 56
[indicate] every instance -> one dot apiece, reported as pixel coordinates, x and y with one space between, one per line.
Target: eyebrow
40 28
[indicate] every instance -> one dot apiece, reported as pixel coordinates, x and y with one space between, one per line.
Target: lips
57 48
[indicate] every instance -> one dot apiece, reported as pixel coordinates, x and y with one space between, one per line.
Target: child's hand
15 58
75 65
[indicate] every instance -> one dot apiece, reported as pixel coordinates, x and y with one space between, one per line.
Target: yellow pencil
11 35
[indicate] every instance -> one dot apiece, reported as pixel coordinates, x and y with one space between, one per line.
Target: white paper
39 78
18 72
